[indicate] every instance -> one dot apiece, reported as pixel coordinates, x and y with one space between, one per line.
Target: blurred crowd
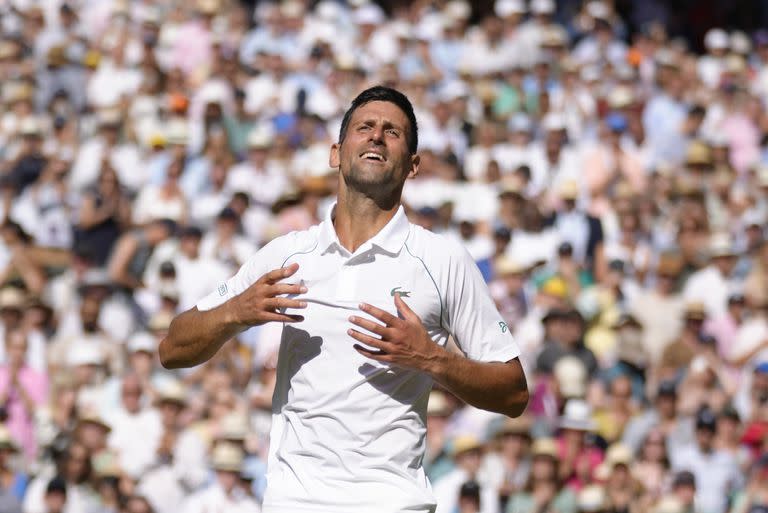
611 184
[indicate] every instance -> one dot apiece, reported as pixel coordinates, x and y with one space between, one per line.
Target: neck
358 218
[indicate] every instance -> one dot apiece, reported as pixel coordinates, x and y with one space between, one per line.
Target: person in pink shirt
22 391
578 459
612 162
193 48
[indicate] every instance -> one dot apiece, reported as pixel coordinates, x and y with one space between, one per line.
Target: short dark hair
384 94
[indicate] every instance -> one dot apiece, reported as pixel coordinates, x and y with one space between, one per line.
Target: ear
334 159
415 160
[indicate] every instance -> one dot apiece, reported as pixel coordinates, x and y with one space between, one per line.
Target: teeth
373 155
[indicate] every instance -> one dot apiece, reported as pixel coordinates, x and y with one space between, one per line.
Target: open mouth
373 156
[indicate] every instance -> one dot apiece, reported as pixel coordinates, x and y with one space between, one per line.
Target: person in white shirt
226 492
136 430
368 301
468 457
712 284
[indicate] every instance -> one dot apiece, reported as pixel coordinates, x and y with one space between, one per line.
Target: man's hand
404 341
259 303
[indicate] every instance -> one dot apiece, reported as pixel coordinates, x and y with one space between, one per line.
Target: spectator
716 472
22 391
609 175
13 483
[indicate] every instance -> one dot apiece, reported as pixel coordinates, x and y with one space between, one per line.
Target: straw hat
617 454
142 342
506 266
227 458
465 443
577 416
695 310
261 137
721 245
106 464
93 417
160 321
6 441
569 189
234 427
172 392
698 153
571 377
544 447
85 353
518 426
591 498
11 298
669 504
438 405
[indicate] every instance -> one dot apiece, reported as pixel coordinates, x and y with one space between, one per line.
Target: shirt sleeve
472 317
264 260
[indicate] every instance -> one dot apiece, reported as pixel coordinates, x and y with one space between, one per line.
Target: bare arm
495 386
195 336
742 359
91 215
118 262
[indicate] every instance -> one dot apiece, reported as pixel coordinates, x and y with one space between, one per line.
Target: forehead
380 111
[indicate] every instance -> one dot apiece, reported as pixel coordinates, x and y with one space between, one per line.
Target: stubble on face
374 158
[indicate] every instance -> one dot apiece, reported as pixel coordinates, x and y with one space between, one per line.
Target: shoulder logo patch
223 289
503 326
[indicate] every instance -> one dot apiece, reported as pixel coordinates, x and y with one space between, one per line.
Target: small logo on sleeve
223 289
403 293
503 326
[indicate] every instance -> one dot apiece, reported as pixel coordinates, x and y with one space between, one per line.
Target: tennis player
368 302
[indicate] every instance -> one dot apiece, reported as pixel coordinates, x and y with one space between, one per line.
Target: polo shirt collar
390 238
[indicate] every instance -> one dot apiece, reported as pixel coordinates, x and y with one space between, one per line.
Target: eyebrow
387 123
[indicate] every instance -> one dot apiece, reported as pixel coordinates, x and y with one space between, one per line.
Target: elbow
517 404
167 358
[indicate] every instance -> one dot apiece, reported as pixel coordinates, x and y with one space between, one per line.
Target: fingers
369 340
287 289
276 275
371 326
280 317
283 302
385 317
379 356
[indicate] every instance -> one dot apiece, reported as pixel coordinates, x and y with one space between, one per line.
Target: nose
377 134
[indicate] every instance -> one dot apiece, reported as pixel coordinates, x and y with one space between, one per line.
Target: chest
336 287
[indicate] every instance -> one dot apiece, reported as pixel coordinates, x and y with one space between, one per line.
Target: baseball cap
667 389
229 214
191 231
705 419
142 342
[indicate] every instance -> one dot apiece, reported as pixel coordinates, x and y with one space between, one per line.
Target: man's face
686 494
705 437
374 158
666 404
470 460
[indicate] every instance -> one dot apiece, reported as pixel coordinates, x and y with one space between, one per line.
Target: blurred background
604 162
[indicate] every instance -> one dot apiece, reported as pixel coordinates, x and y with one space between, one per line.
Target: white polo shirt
348 433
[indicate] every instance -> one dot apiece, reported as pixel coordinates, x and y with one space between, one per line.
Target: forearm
494 386
194 336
